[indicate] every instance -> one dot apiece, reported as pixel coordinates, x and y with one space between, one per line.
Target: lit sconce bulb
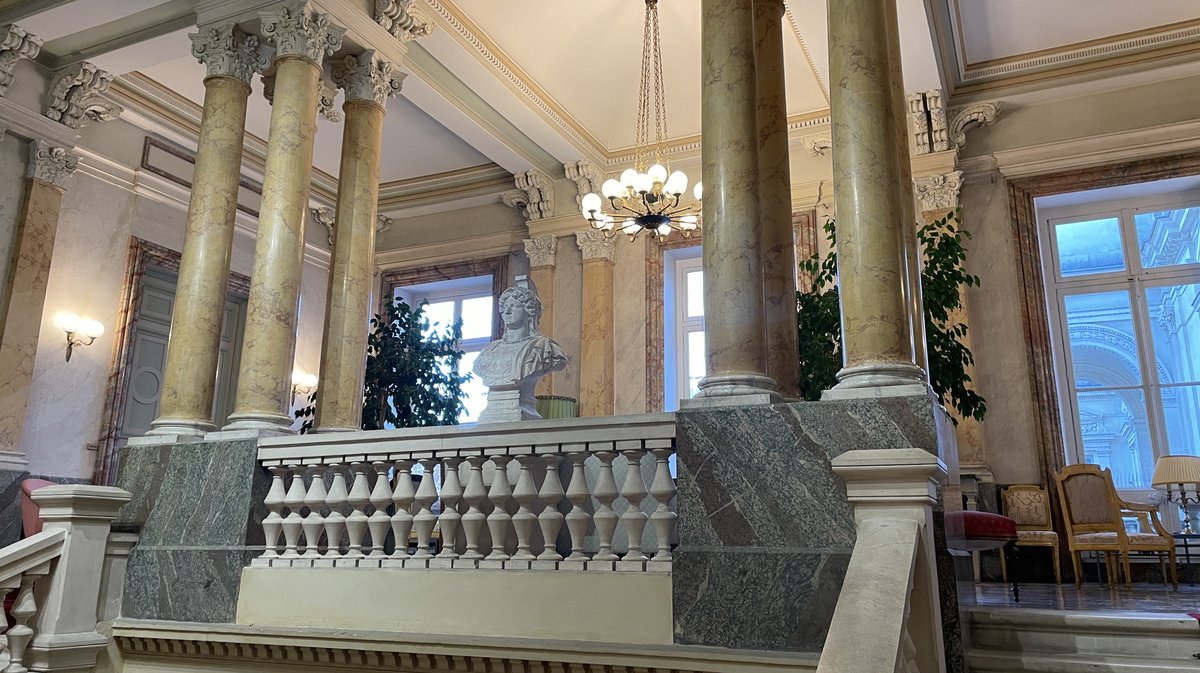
91 329
611 188
642 183
698 191
303 383
657 173
80 331
67 322
591 204
676 184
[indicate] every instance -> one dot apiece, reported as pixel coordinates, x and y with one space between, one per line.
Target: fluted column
301 38
872 187
596 394
368 82
775 200
541 253
734 326
189 376
48 169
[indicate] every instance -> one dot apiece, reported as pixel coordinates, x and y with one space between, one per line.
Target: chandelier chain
651 87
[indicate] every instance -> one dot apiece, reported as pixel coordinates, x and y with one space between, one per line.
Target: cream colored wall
12 174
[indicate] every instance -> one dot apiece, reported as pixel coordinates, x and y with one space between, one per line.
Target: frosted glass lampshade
698 191
92 329
628 176
642 183
1174 470
611 188
676 184
591 203
657 173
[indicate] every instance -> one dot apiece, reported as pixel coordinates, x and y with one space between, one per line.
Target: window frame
677 325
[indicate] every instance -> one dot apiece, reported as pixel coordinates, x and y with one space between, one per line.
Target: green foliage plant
943 276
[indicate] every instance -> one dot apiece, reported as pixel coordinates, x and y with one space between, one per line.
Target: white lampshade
689 222
642 182
657 173
611 188
91 328
1175 470
698 191
676 184
664 229
591 203
67 322
627 177
608 223
629 226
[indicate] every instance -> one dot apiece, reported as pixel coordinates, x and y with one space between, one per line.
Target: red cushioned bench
983 531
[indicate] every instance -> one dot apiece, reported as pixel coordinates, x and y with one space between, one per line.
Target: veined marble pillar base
727 384
180 427
158 440
259 421
729 401
879 379
228 434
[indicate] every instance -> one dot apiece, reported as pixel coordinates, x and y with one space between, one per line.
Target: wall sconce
80 331
303 384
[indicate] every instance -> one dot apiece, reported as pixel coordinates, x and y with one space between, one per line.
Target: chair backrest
1089 500
1028 505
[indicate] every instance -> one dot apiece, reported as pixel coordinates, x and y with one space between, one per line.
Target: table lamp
1179 475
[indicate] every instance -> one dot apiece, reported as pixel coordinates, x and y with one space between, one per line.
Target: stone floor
1143 597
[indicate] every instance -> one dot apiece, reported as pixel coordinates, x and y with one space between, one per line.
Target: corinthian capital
541 251
939 192
228 52
15 44
50 164
596 246
399 18
367 77
296 30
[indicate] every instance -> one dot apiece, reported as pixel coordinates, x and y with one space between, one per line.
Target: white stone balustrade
540 495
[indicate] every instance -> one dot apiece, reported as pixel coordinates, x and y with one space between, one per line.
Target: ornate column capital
15 44
534 195
964 117
938 192
76 94
596 246
818 144
586 176
382 223
50 164
228 52
541 251
324 217
296 30
399 18
367 77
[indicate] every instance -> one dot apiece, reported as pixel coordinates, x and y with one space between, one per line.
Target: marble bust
511 365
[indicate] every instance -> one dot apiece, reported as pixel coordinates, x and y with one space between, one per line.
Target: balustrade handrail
31 552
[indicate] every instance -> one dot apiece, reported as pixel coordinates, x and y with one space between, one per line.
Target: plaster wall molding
50 163
365 76
228 52
76 95
587 178
534 195
382 223
964 117
325 217
402 19
31 125
541 251
938 192
327 102
818 144
927 116
456 250
296 30
595 246
15 44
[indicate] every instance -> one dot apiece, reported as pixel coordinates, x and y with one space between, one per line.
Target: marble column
368 82
734 325
871 189
541 270
596 393
189 376
48 169
775 200
301 38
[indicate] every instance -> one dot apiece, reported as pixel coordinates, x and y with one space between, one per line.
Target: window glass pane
1174 312
695 361
1116 435
475 398
1089 247
477 318
1169 237
695 294
440 316
1181 411
1103 347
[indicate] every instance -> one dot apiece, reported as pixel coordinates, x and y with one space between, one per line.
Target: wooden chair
1093 514
1029 506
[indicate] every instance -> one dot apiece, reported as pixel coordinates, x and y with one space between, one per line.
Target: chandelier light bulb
689 222
607 224
657 173
591 204
664 229
628 176
676 184
611 188
630 227
698 191
642 183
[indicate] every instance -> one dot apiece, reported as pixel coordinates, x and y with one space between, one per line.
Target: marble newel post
775 199
302 38
368 82
733 245
189 376
541 252
870 181
49 168
596 393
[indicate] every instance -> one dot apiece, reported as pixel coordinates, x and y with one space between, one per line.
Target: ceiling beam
90 44
13 11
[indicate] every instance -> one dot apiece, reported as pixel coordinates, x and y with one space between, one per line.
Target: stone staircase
1012 640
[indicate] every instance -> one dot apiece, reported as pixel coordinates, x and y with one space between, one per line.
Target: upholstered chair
1029 506
1093 513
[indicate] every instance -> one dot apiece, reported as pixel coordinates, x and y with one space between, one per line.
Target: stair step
996 661
1166 636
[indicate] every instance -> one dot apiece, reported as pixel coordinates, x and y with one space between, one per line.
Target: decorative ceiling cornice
807 54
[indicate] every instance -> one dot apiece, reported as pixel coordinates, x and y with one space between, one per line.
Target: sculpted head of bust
521 312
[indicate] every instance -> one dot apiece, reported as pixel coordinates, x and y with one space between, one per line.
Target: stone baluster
335 521
662 489
474 520
524 520
499 519
550 520
360 497
293 501
605 517
313 524
579 495
425 519
448 521
379 521
273 523
402 498
24 609
634 491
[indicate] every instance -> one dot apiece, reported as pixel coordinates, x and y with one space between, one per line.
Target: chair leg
1110 568
1125 567
1077 566
1057 562
1003 566
1015 557
1174 576
1162 566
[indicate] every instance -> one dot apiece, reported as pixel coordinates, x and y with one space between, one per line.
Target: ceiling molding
31 125
129 30
457 250
449 190
812 65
